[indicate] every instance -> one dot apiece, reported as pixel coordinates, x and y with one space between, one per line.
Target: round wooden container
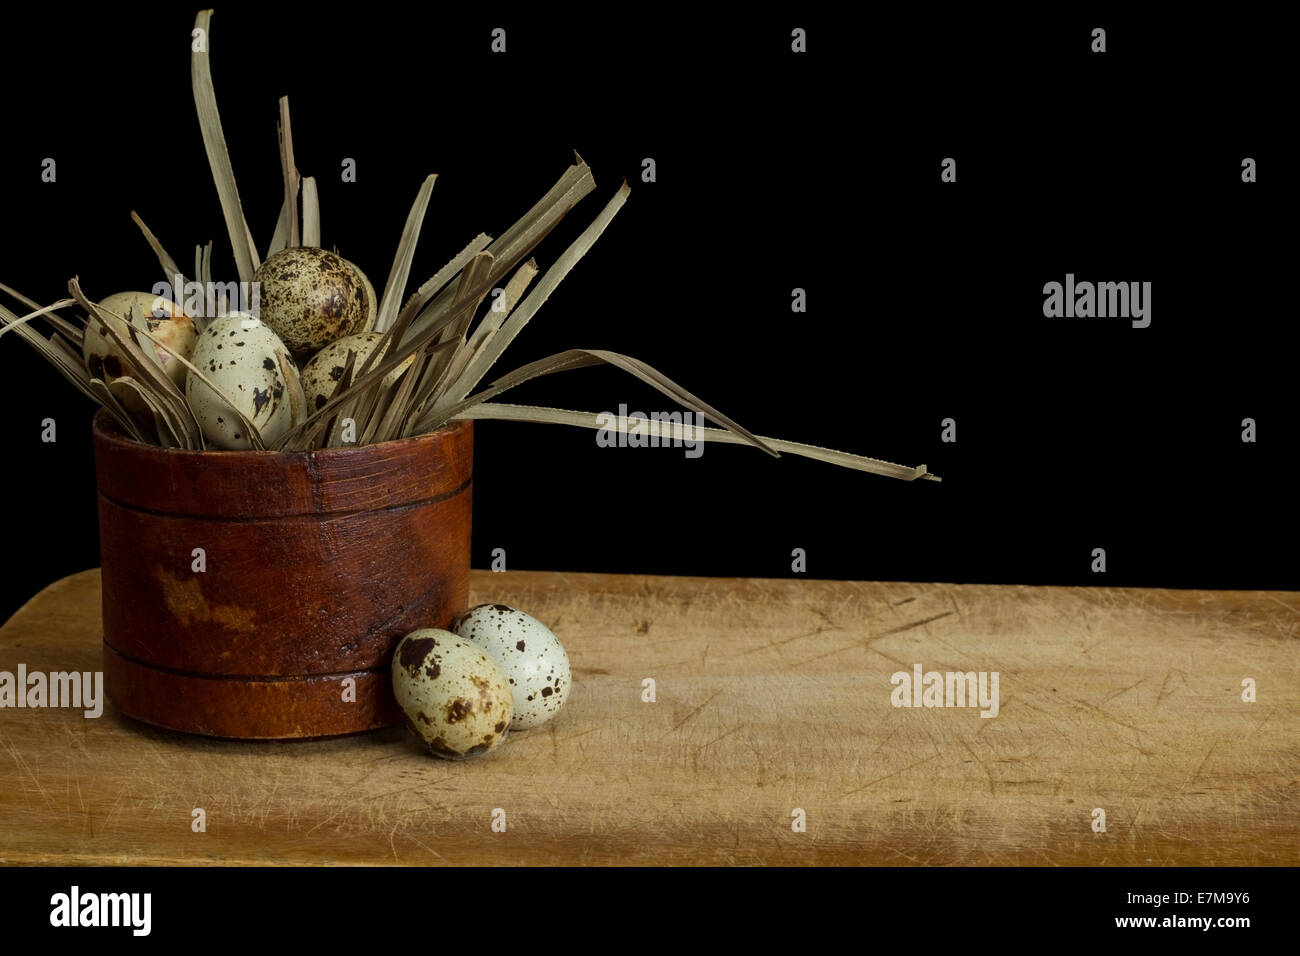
259 595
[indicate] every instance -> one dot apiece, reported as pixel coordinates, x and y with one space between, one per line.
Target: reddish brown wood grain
316 564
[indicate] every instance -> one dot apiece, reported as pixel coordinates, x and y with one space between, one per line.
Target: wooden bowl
312 567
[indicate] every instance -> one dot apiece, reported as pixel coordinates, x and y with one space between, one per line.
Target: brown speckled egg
163 319
321 375
532 658
455 697
310 297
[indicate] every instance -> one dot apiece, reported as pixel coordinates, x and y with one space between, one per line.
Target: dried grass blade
393 291
564 416
528 308
167 262
310 212
67 348
74 333
417 301
214 142
254 436
164 425
435 367
430 381
104 395
576 358
42 311
520 239
371 379
30 303
293 381
393 336
69 366
290 172
504 305
474 276
169 397
334 434
395 410
281 236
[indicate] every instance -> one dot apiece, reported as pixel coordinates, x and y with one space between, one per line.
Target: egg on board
310 297
532 658
321 375
247 362
174 334
453 694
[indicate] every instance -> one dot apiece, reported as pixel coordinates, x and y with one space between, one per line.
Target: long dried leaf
146 369
290 172
281 236
674 431
214 142
520 239
392 297
391 360
169 265
429 381
422 295
70 367
164 426
74 333
576 358
345 410
396 406
43 311
105 397
371 399
474 276
310 212
528 308
504 304
254 436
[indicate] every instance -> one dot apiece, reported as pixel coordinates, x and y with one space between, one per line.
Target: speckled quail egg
453 694
322 373
163 319
532 658
248 362
310 297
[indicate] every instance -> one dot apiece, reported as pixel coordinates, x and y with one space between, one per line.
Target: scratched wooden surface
771 695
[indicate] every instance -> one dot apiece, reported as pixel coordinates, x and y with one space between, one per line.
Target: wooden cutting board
771 696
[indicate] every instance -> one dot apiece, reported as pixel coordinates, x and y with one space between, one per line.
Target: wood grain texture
771 695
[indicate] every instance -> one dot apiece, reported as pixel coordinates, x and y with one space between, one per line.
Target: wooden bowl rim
108 430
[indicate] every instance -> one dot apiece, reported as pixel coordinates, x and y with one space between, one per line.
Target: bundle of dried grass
449 355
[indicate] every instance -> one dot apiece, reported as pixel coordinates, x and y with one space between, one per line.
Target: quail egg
453 694
247 361
532 658
322 373
161 317
310 297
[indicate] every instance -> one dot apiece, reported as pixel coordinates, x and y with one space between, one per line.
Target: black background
775 171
